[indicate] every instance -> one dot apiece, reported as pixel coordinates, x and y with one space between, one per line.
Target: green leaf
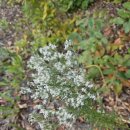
83 44
82 22
104 40
3 84
127 26
4 24
15 83
84 4
117 87
127 5
117 1
91 23
127 63
123 13
74 36
82 59
121 75
129 50
17 60
126 57
118 21
108 71
93 73
118 58
3 53
127 74
98 34
22 43
7 97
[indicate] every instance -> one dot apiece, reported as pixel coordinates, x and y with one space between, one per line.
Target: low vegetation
66 81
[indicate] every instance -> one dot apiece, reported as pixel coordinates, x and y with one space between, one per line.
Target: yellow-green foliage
46 17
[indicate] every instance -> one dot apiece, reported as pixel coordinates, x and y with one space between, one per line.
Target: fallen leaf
121 33
81 119
96 129
97 53
122 68
62 127
107 31
118 41
27 126
110 76
2 102
37 101
21 106
125 83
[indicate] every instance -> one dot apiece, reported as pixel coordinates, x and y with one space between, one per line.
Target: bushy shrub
59 82
105 59
124 17
46 17
70 5
60 86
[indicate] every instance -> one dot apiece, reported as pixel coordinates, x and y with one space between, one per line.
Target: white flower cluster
59 81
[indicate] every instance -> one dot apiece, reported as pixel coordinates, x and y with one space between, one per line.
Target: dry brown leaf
27 126
121 33
110 76
37 101
2 102
81 119
21 106
118 41
125 83
122 68
62 127
107 31
97 53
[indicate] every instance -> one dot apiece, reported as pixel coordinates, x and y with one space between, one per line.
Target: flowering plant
59 82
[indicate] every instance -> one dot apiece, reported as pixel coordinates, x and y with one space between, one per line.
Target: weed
124 17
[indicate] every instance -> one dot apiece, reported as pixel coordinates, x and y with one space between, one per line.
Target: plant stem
89 66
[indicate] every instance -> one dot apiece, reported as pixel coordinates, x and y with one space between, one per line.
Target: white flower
59 66
88 85
67 44
68 55
25 90
64 116
58 77
52 46
44 112
83 90
68 63
78 80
